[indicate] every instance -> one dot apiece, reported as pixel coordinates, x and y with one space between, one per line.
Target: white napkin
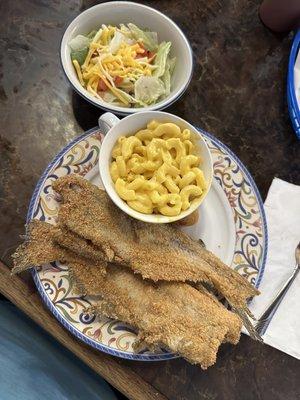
282 208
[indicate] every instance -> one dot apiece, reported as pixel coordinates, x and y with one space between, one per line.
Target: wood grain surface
24 296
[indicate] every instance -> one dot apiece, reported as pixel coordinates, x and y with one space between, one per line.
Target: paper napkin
282 208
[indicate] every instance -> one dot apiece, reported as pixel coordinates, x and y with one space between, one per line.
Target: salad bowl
146 18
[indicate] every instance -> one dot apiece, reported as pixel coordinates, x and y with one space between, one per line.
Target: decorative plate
245 246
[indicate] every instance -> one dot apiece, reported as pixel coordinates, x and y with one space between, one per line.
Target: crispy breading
143 273
40 248
156 251
189 321
71 241
175 315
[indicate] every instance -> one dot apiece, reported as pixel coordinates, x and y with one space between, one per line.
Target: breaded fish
76 244
156 251
40 248
188 321
175 315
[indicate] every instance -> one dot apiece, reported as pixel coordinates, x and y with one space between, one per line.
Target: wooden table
237 93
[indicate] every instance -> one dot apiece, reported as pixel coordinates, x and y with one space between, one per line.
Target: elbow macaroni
156 171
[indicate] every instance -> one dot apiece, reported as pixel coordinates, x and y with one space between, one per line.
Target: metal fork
264 320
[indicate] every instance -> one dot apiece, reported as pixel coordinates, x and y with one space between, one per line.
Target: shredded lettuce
149 39
117 40
79 55
109 97
126 31
172 62
91 35
127 86
166 78
148 89
127 96
79 42
97 35
79 48
161 59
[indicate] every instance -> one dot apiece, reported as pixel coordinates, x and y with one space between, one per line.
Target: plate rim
258 196
291 90
48 302
291 66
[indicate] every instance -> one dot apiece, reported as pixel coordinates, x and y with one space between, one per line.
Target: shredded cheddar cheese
78 71
101 63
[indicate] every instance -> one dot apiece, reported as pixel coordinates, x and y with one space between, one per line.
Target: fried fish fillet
187 321
40 248
156 251
74 243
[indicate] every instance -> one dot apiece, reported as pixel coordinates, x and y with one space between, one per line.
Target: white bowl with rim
143 16
129 126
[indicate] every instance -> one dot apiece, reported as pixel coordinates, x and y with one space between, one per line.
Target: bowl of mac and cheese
155 166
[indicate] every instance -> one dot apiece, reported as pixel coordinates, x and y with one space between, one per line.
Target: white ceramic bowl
124 12
129 126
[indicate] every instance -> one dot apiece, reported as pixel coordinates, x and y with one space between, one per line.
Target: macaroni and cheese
157 170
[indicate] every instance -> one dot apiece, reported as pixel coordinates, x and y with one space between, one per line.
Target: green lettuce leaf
91 35
79 42
79 55
79 46
117 40
161 59
166 78
128 97
172 62
148 89
149 39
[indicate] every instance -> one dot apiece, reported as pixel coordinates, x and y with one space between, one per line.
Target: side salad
124 66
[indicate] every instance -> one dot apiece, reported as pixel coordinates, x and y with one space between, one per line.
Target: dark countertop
238 93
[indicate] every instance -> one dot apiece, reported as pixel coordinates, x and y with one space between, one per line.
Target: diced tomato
150 54
142 54
145 53
118 80
101 86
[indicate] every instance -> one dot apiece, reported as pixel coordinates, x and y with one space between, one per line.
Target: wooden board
25 297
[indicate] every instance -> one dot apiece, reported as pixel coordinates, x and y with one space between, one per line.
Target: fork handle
265 318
